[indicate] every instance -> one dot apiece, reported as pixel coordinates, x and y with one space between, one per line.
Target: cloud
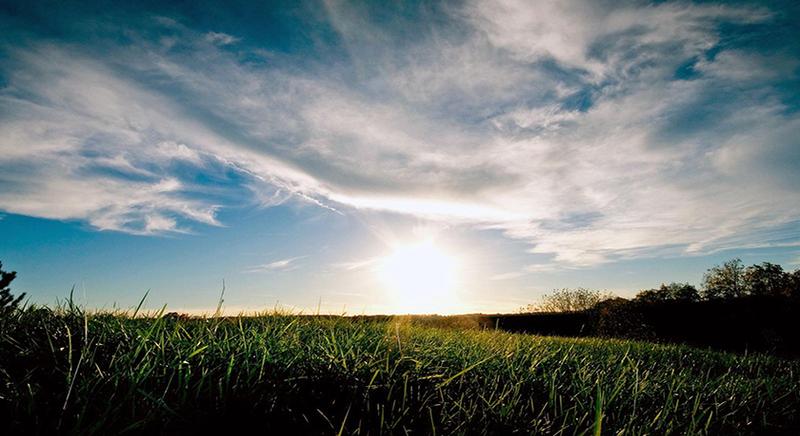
356 264
79 142
600 38
220 38
563 124
278 265
743 67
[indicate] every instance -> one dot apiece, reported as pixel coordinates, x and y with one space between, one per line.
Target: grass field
66 372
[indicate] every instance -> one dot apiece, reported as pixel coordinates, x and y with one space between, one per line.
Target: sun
420 278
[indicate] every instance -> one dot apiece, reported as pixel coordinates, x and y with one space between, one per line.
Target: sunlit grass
113 373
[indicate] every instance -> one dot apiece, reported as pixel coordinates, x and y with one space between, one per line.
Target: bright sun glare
420 278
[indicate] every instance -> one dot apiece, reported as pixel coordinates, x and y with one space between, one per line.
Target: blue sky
287 148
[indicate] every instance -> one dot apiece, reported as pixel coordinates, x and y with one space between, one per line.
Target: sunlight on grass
329 375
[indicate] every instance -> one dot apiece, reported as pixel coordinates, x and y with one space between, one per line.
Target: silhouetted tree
683 292
767 279
724 281
569 300
795 284
670 292
7 301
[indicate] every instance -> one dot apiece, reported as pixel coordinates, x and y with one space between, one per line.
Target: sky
287 148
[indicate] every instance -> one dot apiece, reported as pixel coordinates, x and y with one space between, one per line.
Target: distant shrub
8 303
568 300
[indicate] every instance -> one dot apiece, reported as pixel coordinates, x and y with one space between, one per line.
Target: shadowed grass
65 371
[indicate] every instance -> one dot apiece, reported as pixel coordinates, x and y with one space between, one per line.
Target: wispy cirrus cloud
277 265
220 38
356 264
592 131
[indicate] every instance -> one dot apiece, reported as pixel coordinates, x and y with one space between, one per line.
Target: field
63 371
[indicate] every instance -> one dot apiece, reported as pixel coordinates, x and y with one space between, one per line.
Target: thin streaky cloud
221 38
277 265
356 264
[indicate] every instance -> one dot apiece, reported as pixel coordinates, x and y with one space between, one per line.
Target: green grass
65 372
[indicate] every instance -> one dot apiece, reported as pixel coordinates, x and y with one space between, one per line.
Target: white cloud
745 67
599 38
220 38
278 265
475 127
79 121
356 265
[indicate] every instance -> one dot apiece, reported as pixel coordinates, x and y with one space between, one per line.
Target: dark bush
8 303
670 292
745 324
620 318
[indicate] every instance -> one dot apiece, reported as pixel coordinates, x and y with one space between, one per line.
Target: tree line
727 281
736 308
